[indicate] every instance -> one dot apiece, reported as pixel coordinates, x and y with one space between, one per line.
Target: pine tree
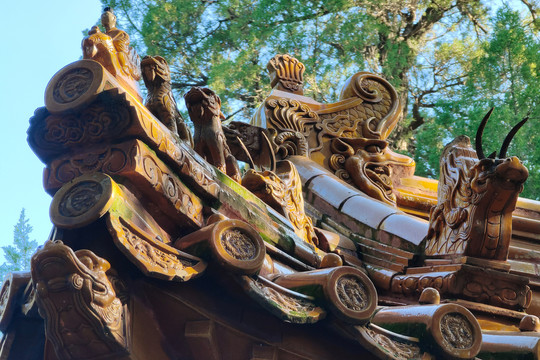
17 256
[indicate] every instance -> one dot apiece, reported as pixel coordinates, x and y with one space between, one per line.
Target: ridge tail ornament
476 198
160 100
348 137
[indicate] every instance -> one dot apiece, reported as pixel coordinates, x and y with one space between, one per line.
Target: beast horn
479 132
510 136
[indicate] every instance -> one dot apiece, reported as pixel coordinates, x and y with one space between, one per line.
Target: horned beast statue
476 198
160 100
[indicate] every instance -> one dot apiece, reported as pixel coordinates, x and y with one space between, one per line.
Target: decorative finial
287 73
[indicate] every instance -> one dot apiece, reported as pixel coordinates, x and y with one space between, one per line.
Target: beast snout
195 95
206 97
512 169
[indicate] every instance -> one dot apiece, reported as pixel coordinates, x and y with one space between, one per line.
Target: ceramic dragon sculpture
476 198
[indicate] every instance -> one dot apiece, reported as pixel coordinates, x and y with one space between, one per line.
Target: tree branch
234 113
532 10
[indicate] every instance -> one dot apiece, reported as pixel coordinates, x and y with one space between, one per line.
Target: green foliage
502 74
17 256
227 44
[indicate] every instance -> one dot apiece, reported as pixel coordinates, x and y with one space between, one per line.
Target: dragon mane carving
84 318
282 190
476 198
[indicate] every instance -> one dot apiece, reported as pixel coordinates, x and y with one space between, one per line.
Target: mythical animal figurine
204 107
476 198
282 190
100 47
160 100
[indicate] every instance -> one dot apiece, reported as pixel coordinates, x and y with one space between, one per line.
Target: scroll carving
109 160
177 194
153 258
507 293
54 134
413 285
380 109
476 198
467 283
84 318
282 190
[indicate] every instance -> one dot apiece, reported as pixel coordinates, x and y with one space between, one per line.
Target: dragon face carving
476 198
368 164
77 301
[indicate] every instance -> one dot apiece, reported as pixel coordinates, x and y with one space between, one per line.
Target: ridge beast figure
204 107
160 101
476 198
282 190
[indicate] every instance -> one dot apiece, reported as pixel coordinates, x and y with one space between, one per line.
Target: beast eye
373 149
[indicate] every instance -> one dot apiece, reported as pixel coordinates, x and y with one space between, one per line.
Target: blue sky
39 38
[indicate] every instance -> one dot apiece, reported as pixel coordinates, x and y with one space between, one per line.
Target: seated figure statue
111 49
127 57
